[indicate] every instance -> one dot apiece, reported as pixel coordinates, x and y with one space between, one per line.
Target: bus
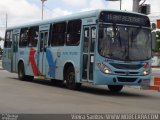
99 47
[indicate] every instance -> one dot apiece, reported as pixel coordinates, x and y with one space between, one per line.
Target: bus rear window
8 39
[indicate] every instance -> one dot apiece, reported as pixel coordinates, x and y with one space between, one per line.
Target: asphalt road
42 96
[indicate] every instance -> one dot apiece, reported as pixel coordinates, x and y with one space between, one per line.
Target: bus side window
8 39
23 38
33 36
73 32
58 34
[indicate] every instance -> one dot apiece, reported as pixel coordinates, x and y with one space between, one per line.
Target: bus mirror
153 40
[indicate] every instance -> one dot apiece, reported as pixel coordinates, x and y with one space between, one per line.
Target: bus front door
15 50
88 52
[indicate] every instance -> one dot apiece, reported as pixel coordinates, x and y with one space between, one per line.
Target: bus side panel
64 55
24 55
7 59
72 55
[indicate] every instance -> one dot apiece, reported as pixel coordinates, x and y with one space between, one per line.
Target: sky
24 11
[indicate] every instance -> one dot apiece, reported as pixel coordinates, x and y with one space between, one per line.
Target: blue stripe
51 63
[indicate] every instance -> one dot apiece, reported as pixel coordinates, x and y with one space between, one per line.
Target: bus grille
126 66
123 79
126 73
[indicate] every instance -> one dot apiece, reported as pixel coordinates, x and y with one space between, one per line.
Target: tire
21 73
70 79
115 88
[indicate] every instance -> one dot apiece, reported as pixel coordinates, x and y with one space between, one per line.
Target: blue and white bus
100 47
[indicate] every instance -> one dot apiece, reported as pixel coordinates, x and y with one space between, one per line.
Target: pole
136 5
42 9
120 4
6 20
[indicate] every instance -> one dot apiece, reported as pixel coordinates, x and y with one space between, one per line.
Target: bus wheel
21 72
70 79
115 88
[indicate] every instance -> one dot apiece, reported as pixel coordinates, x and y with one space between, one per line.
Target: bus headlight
107 71
146 72
104 68
146 68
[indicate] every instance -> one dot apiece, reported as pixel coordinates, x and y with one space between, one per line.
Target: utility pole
136 5
43 7
6 20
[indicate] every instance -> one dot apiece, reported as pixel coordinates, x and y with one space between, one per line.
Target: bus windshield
124 42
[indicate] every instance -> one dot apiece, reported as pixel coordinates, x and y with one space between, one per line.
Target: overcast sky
23 11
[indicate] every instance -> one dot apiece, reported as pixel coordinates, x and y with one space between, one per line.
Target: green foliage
153 26
1 51
157 49
158 34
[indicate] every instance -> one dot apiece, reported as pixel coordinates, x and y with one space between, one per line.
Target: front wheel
115 88
70 79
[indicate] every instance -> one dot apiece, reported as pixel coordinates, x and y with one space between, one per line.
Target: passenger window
33 36
58 34
8 39
23 38
73 32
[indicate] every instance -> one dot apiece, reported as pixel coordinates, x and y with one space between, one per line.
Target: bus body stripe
51 63
32 61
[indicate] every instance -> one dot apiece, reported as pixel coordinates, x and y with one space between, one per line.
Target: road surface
42 96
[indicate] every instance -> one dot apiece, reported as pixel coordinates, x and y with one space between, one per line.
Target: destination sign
125 18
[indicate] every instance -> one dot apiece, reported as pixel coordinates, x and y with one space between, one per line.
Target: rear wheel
115 88
21 73
70 79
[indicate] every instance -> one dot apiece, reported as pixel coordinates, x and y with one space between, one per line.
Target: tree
1 50
157 49
154 26
158 35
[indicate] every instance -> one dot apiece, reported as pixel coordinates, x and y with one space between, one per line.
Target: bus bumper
113 79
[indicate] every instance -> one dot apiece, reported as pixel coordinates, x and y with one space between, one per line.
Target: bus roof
80 15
